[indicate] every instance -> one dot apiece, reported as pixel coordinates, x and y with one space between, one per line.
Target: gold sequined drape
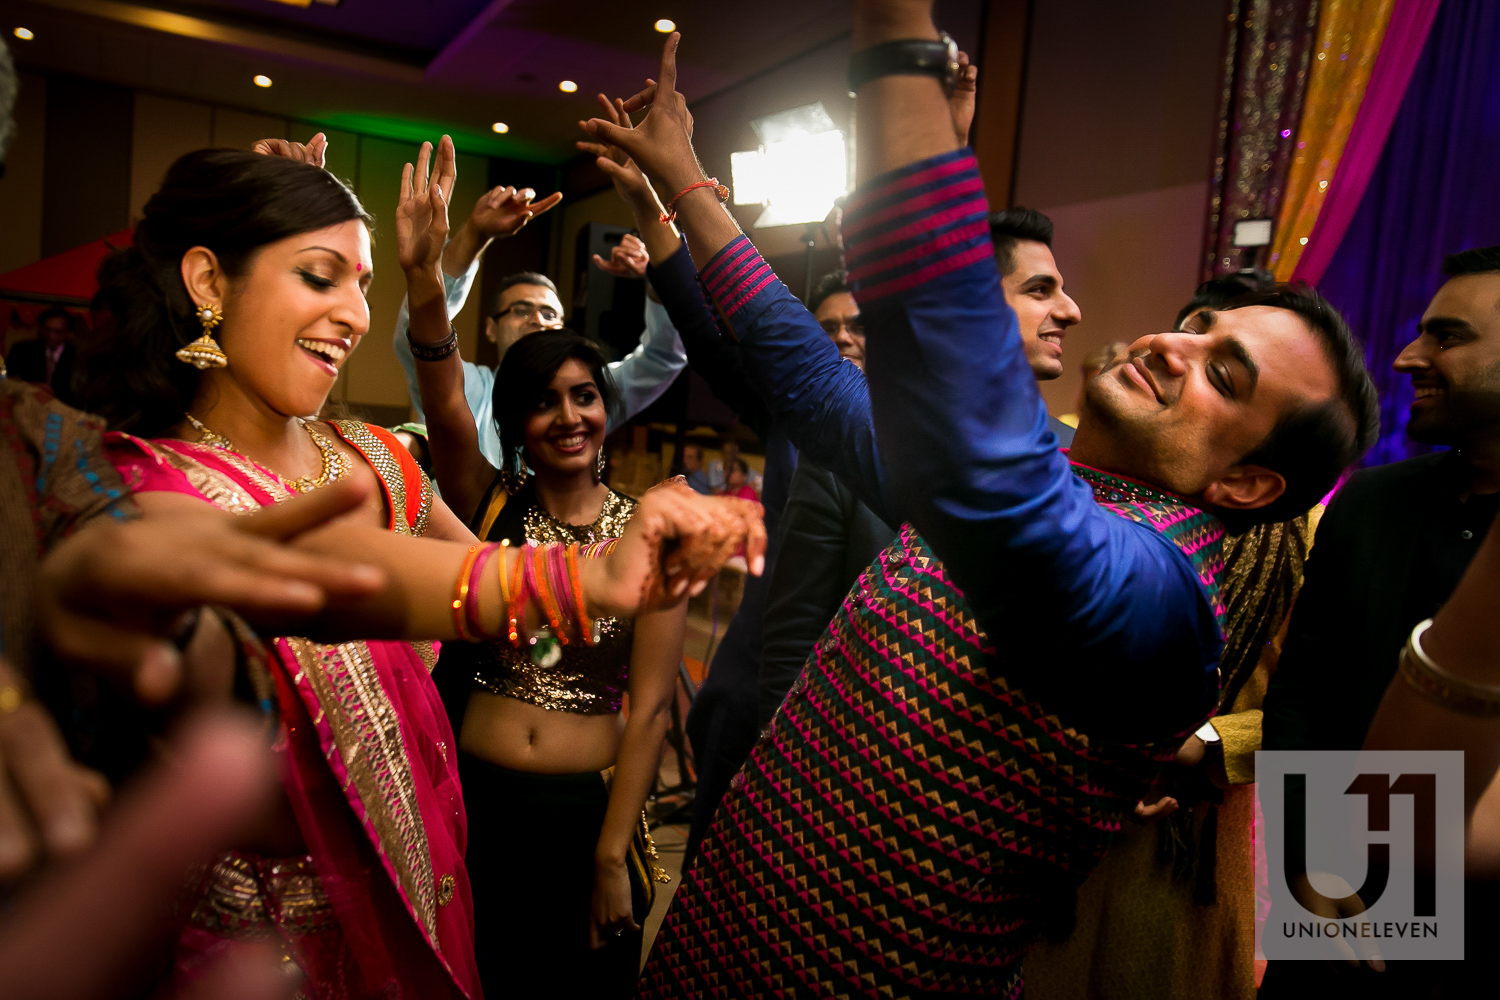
1266 58
1350 33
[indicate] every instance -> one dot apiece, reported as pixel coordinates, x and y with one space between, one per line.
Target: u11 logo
1363 854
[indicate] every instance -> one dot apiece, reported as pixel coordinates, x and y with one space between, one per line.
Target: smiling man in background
1398 537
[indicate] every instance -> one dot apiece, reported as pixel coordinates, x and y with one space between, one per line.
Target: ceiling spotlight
261 80
24 34
500 127
666 26
567 86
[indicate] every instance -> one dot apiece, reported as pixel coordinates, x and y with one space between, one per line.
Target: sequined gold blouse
584 680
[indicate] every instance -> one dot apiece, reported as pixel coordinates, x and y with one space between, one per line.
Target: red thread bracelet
713 182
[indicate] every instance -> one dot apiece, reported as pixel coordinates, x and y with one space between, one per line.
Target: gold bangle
1441 687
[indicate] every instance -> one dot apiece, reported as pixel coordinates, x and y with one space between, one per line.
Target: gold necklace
336 464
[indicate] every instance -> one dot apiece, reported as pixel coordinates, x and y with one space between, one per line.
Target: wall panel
21 187
164 129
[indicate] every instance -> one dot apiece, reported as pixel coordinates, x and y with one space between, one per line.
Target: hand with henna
673 545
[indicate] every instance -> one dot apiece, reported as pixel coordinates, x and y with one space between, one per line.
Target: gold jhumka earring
205 352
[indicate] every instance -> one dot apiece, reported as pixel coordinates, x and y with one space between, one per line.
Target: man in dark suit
828 537
48 359
1396 539
1389 552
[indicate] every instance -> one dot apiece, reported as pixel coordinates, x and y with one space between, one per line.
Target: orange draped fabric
1350 33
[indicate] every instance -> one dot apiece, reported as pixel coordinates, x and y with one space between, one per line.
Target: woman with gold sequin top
556 912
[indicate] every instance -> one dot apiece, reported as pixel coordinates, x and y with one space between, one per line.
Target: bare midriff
524 737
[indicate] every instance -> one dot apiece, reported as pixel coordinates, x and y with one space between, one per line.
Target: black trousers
531 864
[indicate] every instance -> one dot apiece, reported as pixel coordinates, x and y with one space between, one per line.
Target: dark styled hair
519 278
523 377
1011 226
1480 260
227 200
1221 292
1313 445
743 466
830 284
56 312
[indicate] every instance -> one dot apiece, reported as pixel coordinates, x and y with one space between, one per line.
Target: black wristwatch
908 56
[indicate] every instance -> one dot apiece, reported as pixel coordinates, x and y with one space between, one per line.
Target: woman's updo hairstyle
227 200
528 368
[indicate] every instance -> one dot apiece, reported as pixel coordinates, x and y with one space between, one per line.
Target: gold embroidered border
367 732
389 470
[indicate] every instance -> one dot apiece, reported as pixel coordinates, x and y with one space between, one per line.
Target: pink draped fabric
1404 38
369 764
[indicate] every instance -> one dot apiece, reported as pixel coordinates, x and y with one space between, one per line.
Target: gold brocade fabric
244 896
1349 36
585 680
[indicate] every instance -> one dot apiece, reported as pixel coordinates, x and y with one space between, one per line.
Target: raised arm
462 471
963 431
499 213
820 401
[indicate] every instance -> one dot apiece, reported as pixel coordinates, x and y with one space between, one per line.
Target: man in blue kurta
1002 683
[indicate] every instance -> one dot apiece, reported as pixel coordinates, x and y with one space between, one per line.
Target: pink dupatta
366 754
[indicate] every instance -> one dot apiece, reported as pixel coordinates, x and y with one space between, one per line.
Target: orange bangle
585 627
545 596
719 189
515 608
461 595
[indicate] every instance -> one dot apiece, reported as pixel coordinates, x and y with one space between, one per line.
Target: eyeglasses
526 310
833 326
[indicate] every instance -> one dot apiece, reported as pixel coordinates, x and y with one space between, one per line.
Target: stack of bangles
544 574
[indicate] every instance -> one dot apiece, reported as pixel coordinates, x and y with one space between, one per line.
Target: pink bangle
471 602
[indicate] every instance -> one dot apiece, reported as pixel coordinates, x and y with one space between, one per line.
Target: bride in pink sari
235 311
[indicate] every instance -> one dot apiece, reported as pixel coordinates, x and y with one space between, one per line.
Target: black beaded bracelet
434 352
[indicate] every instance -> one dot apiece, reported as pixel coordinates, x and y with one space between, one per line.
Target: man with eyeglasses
525 303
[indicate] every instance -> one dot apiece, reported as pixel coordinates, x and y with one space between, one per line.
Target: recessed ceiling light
24 34
666 26
567 86
261 80
500 127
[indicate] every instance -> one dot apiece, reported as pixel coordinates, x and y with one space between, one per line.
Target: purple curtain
1435 191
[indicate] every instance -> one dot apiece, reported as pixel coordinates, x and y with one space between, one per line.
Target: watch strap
907 56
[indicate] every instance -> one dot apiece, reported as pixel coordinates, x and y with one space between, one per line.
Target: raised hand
630 183
504 211
961 101
673 545
313 151
422 211
628 259
662 144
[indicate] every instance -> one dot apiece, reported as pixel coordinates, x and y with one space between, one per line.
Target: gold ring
11 698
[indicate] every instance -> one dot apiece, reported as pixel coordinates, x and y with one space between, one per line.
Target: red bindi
358 267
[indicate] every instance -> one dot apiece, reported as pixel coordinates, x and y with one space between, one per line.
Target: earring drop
205 352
